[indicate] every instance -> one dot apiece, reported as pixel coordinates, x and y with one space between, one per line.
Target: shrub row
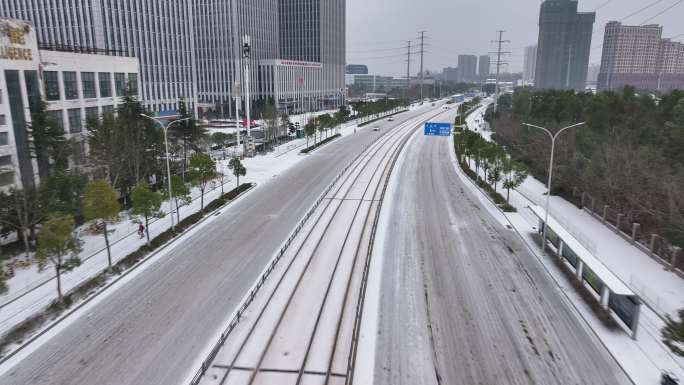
322 142
498 199
18 333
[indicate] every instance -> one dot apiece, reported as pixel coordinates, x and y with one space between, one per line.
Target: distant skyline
378 29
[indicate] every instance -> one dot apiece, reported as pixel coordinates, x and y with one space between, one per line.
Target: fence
654 245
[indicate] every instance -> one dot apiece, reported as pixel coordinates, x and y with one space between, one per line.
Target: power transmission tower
422 54
499 63
408 71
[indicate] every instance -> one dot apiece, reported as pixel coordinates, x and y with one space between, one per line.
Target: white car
390 119
376 128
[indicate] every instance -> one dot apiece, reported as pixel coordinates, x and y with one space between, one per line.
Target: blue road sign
438 129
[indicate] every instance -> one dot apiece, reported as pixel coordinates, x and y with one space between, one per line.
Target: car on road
376 128
433 104
446 108
390 119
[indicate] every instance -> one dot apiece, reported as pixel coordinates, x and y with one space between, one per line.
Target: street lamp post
246 53
548 184
165 129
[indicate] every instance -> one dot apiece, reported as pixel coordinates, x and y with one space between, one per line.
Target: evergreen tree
146 204
59 247
100 204
201 171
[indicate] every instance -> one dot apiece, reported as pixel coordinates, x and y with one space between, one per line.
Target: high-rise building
467 68
530 64
122 28
484 67
450 74
564 45
638 56
357 69
191 49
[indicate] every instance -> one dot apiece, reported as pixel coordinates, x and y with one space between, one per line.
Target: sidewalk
30 291
662 291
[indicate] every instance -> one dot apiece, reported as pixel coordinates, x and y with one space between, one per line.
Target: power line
422 53
642 9
661 12
408 70
603 5
499 63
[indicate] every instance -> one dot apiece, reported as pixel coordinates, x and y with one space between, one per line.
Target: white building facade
74 86
529 65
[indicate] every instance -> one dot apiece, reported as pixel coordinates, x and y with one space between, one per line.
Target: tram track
264 350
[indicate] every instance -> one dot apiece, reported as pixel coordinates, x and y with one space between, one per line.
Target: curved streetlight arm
165 129
548 184
541 128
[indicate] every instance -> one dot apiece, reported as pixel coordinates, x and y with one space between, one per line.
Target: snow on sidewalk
31 291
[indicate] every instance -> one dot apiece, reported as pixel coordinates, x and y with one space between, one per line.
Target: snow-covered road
151 329
462 300
301 324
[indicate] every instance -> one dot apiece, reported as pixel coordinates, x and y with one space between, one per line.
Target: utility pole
499 63
408 71
422 51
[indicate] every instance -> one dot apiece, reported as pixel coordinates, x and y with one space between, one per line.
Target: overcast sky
378 29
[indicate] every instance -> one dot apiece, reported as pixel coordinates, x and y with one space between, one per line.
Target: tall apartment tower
467 68
638 56
314 31
564 46
191 49
530 64
483 67
123 28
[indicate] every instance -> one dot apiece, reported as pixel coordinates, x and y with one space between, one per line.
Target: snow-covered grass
642 359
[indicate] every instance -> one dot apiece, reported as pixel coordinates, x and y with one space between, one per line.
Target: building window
120 83
107 110
5 160
70 85
88 82
51 85
3 121
4 138
91 114
105 84
75 124
78 153
6 178
133 84
57 118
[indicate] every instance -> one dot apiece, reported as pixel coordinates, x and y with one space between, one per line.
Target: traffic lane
495 315
152 329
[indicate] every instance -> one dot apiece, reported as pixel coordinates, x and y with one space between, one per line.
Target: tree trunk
177 211
238 180
58 273
27 246
106 237
508 195
201 199
147 229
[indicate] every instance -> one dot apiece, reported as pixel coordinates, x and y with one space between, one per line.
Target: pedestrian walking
141 231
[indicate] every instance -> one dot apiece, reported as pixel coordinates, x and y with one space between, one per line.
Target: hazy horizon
375 36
